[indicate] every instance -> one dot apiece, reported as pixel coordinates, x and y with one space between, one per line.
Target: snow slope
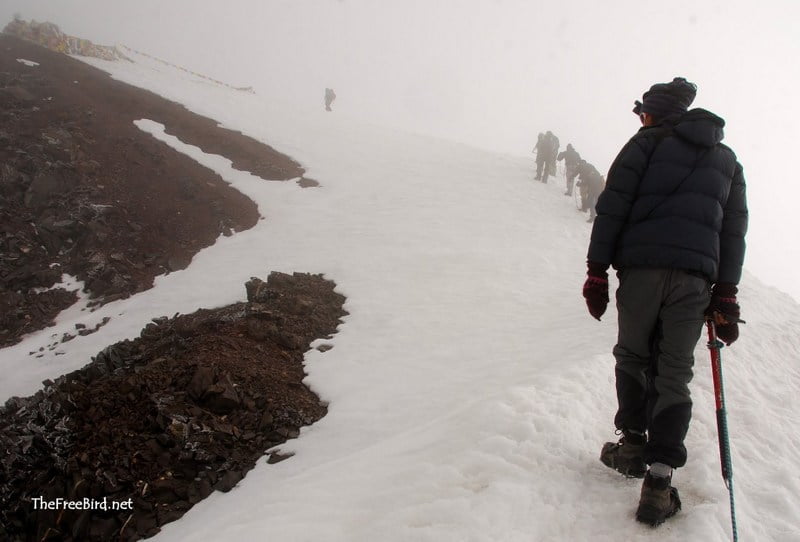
470 391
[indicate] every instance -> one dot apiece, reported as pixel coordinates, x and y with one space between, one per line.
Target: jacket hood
700 127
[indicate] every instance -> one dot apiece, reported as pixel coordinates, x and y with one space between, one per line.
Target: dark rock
103 529
307 182
277 457
221 398
176 262
48 184
203 378
146 524
19 94
256 291
228 481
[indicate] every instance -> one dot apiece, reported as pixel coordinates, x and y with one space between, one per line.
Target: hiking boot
659 500
625 456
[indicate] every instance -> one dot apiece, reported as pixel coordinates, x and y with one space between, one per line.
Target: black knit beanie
668 99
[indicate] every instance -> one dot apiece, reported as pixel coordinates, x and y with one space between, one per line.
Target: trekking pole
714 345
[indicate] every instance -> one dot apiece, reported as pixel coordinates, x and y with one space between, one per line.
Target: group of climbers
590 181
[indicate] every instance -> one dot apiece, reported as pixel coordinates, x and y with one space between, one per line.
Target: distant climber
543 150
330 95
571 159
553 152
591 184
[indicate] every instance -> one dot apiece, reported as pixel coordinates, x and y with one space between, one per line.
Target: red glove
724 311
595 289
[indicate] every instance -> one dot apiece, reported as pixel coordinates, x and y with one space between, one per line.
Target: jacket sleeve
616 199
734 227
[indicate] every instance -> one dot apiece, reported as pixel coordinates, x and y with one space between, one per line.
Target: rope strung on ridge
200 75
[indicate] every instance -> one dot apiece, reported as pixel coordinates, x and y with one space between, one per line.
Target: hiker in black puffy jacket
672 221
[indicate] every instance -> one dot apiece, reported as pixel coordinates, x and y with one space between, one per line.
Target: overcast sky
496 73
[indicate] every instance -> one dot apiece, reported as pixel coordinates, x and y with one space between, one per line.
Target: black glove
724 311
595 289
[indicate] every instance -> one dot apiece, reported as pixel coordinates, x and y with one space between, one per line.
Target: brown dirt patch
162 421
159 422
83 191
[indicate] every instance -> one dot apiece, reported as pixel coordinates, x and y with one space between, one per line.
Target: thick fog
496 73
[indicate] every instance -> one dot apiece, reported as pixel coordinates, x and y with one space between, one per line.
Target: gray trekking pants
660 321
